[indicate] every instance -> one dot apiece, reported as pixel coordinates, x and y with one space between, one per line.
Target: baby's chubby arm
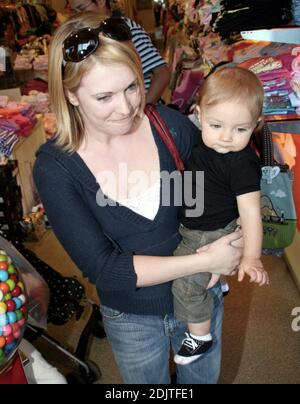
250 217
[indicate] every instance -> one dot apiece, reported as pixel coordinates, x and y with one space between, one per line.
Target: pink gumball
17 334
6 330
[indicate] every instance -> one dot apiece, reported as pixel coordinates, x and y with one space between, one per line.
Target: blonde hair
234 84
66 76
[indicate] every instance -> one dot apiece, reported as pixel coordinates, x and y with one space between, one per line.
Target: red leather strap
164 133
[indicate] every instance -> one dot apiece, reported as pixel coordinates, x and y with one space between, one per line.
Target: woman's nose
124 105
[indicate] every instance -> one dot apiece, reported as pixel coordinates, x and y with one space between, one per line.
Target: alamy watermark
296 321
176 189
2 59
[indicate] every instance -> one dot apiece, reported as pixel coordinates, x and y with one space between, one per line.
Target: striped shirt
150 57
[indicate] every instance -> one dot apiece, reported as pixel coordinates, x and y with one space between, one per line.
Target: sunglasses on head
82 43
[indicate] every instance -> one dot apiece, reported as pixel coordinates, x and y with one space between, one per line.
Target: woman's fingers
234 237
214 280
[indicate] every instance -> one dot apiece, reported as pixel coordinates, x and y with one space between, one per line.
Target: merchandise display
26 21
210 35
296 11
244 15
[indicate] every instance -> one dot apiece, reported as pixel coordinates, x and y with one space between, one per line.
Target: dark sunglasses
82 43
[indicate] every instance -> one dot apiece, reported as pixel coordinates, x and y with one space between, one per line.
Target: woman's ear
72 98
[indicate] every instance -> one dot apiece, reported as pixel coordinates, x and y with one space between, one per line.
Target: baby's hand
255 269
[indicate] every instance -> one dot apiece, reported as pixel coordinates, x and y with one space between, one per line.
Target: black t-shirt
226 176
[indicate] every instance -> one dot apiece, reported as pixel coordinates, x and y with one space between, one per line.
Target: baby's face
227 127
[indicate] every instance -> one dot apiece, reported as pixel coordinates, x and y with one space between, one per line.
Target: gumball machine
13 313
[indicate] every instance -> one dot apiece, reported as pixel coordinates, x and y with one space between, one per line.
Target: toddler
230 109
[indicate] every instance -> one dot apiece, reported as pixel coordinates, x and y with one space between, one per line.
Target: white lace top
147 204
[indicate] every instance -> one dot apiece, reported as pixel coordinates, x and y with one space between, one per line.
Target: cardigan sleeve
78 231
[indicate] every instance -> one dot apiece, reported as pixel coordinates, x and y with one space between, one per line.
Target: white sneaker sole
186 360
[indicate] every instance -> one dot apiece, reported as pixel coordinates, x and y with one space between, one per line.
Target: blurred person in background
156 72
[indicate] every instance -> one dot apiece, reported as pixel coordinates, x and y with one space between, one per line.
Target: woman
103 144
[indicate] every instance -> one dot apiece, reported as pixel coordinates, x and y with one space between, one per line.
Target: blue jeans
141 346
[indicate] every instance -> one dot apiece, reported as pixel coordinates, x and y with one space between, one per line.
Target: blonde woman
122 237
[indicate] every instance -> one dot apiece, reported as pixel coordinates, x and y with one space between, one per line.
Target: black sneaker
191 350
225 289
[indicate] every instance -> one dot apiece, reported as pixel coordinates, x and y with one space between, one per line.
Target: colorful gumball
14 278
22 298
22 322
15 327
3 308
8 296
18 302
10 348
11 305
3 258
12 317
11 284
3 266
7 330
11 270
4 275
19 315
23 310
3 320
17 335
4 288
17 291
21 285
9 339
2 342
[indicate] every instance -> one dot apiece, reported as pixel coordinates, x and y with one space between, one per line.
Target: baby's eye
215 126
242 130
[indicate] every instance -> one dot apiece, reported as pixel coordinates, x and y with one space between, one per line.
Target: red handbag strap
164 133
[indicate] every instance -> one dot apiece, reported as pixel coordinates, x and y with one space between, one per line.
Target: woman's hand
225 254
214 280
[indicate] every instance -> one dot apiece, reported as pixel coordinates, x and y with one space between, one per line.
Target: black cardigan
103 240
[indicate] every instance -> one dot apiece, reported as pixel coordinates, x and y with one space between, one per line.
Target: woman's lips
123 120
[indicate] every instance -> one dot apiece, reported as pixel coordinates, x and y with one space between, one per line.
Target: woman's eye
103 99
132 87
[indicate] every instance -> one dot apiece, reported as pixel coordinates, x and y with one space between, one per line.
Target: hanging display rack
289 35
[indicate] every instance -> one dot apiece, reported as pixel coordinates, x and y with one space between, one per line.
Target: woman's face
109 99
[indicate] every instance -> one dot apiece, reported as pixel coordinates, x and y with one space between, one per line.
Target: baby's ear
197 112
260 124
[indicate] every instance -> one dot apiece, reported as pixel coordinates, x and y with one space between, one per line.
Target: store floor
259 345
